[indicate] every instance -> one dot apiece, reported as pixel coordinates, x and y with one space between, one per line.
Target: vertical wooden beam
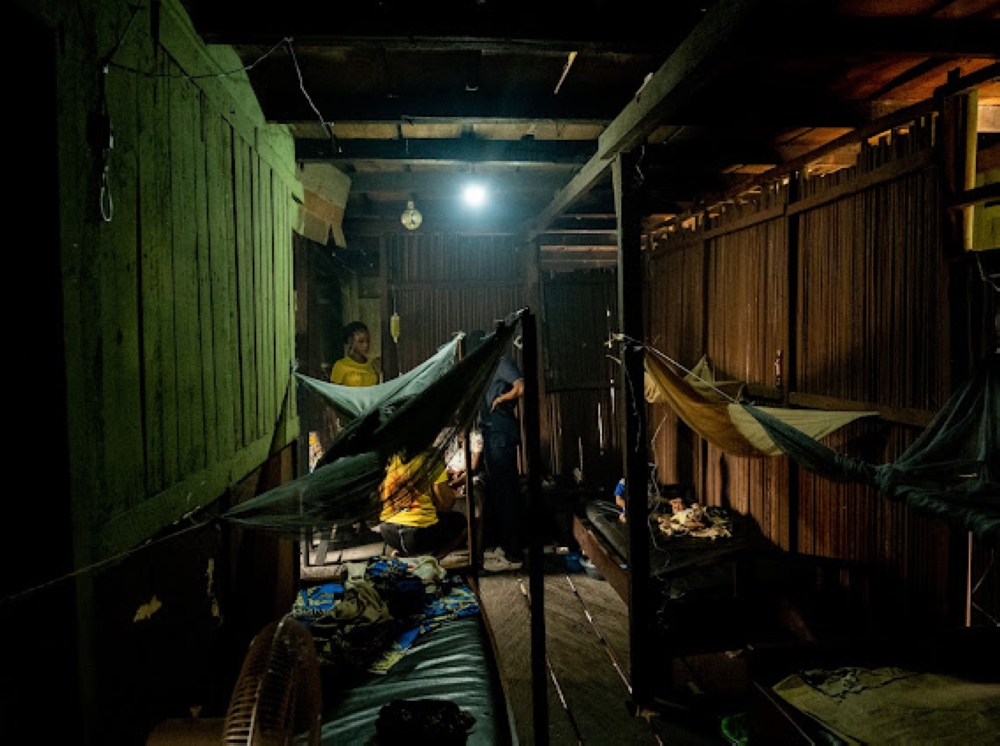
790 360
635 453
535 297
536 523
959 126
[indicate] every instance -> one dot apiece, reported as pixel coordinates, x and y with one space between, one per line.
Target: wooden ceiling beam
452 150
441 183
678 78
608 25
283 103
589 239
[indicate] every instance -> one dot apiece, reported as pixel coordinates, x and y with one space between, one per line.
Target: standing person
355 368
501 430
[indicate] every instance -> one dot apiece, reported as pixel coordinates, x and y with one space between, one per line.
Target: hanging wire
641 176
628 380
302 87
201 76
983 577
111 560
285 41
986 278
105 200
106 203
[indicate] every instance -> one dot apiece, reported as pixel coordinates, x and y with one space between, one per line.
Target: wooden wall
171 265
846 280
579 315
441 283
178 307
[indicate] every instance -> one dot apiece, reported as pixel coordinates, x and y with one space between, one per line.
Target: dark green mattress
453 662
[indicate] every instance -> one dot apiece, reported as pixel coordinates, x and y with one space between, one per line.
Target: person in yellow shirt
356 368
416 522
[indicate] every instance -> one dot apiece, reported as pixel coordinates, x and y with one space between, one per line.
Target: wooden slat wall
446 283
443 283
746 323
861 313
675 323
179 313
873 312
580 315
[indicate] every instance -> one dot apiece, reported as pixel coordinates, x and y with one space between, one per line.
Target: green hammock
423 412
952 470
350 402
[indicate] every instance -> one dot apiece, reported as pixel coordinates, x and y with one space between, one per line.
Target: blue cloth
315 601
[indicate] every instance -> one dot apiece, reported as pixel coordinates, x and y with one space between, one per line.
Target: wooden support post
959 126
536 523
636 457
968 583
790 532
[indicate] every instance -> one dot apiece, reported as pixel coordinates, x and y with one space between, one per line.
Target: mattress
398 630
453 662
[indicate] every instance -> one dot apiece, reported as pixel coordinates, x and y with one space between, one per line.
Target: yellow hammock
711 411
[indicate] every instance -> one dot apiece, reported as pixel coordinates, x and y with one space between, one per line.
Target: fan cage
277 698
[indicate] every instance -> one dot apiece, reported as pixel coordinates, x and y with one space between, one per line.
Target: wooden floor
587 646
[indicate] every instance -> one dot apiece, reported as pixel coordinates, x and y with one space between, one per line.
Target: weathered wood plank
206 300
245 207
185 145
269 245
587 639
166 508
223 281
156 275
109 317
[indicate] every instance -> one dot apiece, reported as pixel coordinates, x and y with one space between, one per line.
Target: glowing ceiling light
475 195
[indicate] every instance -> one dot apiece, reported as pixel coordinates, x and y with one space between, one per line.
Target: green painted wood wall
176 250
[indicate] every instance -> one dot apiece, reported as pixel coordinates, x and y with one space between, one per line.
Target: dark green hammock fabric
350 402
952 470
422 412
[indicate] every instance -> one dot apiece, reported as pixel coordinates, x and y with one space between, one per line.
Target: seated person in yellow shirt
419 522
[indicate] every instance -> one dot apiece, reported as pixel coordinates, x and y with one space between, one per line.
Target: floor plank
587 647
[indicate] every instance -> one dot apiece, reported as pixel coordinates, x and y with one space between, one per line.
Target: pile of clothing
695 520
369 619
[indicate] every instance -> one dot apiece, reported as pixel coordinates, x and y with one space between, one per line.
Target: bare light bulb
475 195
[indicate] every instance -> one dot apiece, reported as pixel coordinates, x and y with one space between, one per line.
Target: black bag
430 721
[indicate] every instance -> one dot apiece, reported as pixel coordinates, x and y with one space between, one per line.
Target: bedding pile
896 705
370 618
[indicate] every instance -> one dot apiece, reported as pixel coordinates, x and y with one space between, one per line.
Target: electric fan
277 699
